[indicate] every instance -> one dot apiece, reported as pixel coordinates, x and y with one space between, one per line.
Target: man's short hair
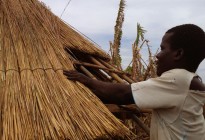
191 39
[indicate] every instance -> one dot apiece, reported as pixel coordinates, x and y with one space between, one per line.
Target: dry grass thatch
36 100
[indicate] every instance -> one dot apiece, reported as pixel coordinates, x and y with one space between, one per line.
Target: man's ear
179 54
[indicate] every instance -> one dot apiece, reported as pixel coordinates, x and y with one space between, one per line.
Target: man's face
165 58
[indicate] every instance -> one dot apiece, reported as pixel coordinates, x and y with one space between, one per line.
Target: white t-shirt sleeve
155 93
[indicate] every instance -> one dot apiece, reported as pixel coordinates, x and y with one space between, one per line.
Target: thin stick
139 122
98 67
116 77
87 72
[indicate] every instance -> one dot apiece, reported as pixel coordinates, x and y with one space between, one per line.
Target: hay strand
36 99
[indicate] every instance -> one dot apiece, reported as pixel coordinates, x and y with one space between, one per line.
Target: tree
115 46
136 57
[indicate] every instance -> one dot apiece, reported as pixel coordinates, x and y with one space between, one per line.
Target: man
176 97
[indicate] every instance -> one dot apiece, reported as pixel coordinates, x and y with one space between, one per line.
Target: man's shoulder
177 71
180 74
180 77
196 84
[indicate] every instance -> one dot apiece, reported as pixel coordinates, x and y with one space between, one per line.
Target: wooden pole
129 80
126 108
141 124
113 75
97 67
87 72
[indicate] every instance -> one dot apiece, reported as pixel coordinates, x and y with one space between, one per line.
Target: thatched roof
36 100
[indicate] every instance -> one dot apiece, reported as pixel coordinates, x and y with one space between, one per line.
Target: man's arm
113 93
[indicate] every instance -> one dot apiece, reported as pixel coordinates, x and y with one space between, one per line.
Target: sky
96 20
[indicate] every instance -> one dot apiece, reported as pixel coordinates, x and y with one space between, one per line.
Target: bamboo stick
115 76
126 109
142 125
87 72
123 76
98 67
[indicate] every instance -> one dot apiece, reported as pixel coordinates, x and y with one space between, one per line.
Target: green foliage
140 34
116 58
128 69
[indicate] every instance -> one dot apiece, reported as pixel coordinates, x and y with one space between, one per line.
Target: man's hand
108 92
75 76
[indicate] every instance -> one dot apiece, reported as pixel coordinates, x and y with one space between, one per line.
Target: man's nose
157 55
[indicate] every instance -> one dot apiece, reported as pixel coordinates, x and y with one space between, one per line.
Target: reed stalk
36 99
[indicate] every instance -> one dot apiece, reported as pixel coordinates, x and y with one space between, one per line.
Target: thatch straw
36 100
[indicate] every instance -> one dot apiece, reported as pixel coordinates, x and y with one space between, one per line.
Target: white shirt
177 111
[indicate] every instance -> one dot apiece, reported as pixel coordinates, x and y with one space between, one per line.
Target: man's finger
69 72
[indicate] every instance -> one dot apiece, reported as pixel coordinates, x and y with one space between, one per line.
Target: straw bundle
36 100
